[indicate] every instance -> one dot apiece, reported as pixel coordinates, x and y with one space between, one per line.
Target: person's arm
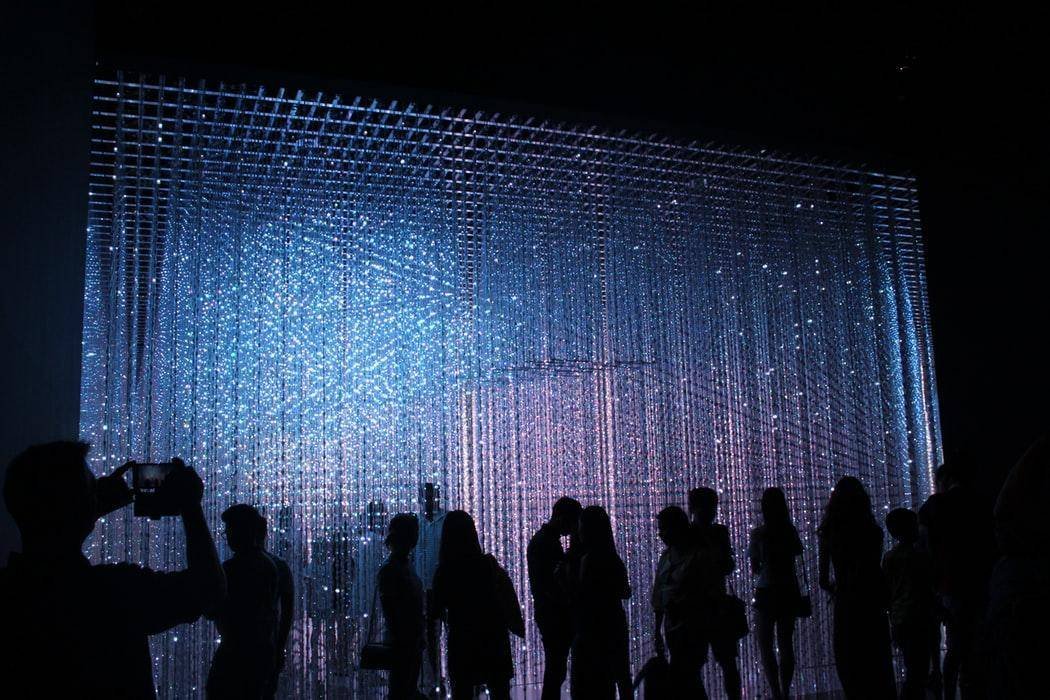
203 569
658 610
824 564
287 603
728 553
158 601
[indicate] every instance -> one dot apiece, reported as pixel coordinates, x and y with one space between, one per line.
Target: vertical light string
324 304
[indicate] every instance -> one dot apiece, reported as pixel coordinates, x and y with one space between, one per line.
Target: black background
954 97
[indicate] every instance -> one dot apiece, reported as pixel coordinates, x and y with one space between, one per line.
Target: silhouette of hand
185 485
658 641
111 491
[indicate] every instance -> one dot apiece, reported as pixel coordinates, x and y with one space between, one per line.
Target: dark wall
43 179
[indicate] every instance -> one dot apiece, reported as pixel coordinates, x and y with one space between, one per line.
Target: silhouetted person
676 597
248 619
713 539
850 570
401 595
285 608
774 547
961 540
71 629
1019 607
910 580
598 585
549 594
477 599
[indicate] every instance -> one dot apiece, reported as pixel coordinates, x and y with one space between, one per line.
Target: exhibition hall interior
522 352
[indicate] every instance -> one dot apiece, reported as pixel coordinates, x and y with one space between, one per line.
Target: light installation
324 304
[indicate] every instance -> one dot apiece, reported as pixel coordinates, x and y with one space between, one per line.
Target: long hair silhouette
459 539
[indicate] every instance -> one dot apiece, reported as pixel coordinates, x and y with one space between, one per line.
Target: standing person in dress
850 570
600 650
774 547
475 597
549 596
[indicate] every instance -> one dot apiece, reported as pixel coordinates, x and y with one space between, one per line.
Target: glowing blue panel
324 303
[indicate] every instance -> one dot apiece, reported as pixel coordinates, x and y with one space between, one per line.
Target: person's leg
685 665
404 676
499 689
725 653
786 644
625 688
462 688
914 646
555 663
845 653
764 628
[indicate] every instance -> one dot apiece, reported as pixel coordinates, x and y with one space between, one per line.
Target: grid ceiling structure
325 303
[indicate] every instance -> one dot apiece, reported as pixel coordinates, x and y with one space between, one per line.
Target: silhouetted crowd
74 629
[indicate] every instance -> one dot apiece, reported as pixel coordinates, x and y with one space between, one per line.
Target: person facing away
774 547
73 629
960 535
550 596
850 549
598 584
713 538
676 598
1019 608
910 582
248 620
476 598
400 593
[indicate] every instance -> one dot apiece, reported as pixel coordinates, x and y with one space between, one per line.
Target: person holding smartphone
74 629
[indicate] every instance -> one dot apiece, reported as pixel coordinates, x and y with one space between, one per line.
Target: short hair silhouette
674 524
703 500
774 507
244 525
566 507
403 532
903 524
50 492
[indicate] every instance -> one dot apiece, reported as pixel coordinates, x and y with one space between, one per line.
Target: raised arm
202 560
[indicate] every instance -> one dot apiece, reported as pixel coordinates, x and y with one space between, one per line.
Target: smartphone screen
148 477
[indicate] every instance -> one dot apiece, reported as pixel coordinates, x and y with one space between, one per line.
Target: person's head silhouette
459 538
51 494
402 534
775 508
596 530
703 505
903 525
245 527
565 516
848 508
672 525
